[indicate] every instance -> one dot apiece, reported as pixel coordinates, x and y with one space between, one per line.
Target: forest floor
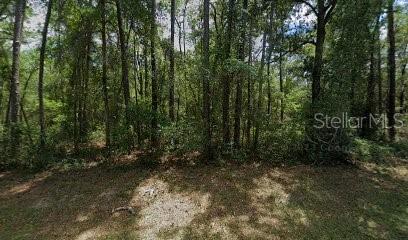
247 201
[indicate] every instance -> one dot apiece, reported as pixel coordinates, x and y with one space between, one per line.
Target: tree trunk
226 78
41 77
258 121
282 107
105 76
135 66
250 98
206 82
125 68
238 98
318 58
379 75
146 70
391 72
403 86
15 75
184 27
154 137
172 77
368 129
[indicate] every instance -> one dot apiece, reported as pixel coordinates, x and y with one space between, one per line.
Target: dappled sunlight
163 211
398 171
82 217
93 233
271 197
25 186
201 202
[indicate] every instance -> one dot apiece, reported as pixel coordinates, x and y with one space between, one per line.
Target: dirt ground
253 201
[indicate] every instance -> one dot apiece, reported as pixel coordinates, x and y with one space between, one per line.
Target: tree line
243 76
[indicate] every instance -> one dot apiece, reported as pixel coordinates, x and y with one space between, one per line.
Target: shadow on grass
179 201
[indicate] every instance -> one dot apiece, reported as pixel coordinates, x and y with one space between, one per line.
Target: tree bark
282 108
323 14
135 66
318 58
226 78
41 77
146 70
258 121
238 98
172 75
206 83
15 74
391 72
154 127
105 76
368 128
125 68
250 88
403 86
379 75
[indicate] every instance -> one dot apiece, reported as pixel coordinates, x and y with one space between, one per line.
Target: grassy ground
252 201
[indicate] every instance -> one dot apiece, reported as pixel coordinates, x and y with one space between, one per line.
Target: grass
252 201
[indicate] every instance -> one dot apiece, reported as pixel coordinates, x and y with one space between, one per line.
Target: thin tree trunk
184 27
379 75
146 70
391 72
41 77
105 76
172 77
368 129
238 98
226 78
258 121
282 107
135 66
206 82
15 75
318 59
154 127
125 68
403 86
250 98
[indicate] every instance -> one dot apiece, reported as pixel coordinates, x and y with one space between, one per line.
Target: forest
203 119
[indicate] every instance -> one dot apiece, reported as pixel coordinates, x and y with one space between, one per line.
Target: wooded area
243 77
220 82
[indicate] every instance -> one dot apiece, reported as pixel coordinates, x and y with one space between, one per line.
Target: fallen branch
129 209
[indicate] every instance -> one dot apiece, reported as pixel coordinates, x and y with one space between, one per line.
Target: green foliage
182 136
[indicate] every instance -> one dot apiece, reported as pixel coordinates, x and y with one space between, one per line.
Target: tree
226 89
403 82
391 71
15 74
171 77
323 13
125 67
41 76
379 74
238 97
206 82
368 128
155 100
105 75
260 93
